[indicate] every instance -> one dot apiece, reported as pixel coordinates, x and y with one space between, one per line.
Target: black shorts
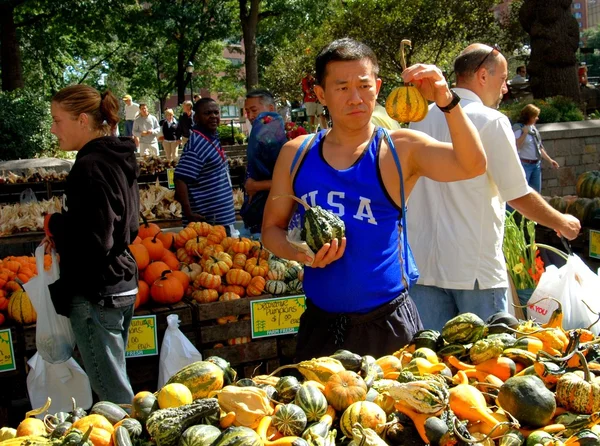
377 333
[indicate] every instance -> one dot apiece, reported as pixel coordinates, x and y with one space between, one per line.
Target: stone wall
576 148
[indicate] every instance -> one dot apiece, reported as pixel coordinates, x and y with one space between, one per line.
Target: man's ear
271 108
378 83
320 92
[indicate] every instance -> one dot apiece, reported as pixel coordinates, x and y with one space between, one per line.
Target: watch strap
453 103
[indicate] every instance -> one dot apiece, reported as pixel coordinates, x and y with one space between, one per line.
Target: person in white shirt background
456 229
521 76
131 113
147 128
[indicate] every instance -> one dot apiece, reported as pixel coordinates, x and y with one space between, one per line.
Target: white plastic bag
571 285
59 382
54 336
176 351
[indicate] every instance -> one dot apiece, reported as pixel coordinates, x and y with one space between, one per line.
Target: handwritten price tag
594 244
142 337
277 316
7 354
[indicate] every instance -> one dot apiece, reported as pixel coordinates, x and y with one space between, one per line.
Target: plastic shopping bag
176 351
54 336
572 285
60 382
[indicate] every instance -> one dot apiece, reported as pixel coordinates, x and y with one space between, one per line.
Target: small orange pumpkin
154 246
195 246
183 256
345 388
205 296
226 319
183 236
168 289
228 296
207 280
201 227
239 260
238 277
237 289
167 239
215 237
256 267
153 272
147 230
170 259
143 294
219 264
141 256
256 286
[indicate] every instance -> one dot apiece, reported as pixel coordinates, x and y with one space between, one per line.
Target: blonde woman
169 130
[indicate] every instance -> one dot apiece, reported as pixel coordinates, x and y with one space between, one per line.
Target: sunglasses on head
496 47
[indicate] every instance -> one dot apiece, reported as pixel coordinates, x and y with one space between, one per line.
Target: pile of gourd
503 381
216 267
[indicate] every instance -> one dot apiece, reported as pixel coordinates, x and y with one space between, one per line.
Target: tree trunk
12 70
554 35
181 81
249 20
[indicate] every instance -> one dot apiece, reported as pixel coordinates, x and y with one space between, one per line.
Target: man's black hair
343 50
201 102
520 67
265 96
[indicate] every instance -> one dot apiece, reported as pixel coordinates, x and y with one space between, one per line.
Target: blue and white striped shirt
203 166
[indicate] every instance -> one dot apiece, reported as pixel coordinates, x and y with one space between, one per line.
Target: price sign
276 316
142 337
171 178
594 244
7 354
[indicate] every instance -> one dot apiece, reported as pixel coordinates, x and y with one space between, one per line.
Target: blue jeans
128 128
438 305
101 335
533 173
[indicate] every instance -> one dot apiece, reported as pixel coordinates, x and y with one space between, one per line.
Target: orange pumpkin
256 286
155 248
167 290
3 278
227 242
143 294
167 239
257 267
211 251
345 388
237 289
182 277
238 341
183 236
242 245
137 240
2 319
147 230
3 303
140 254
12 265
31 426
228 296
226 320
153 272
219 264
12 286
94 420
183 256
238 277
195 246
406 103
201 227
205 296
207 280
215 237
170 259
239 260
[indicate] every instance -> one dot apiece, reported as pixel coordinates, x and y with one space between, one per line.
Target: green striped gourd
238 436
229 373
199 435
290 420
165 426
319 226
120 437
465 328
286 388
276 270
312 401
133 426
485 349
423 396
295 286
588 184
108 410
201 377
276 287
365 413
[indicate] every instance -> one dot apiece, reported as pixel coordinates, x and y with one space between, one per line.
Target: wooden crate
183 309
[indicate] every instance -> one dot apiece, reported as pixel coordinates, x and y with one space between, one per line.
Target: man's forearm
534 207
181 195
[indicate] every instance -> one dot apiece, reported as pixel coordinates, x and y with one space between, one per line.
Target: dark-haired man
356 289
456 229
202 182
265 142
146 128
521 76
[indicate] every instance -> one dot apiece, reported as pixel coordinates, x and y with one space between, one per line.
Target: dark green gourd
319 226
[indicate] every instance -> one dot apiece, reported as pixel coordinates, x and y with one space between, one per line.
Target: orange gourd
155 247
237 289
147 230
167 239
170 259
168 289
153 272
143 294
205 296
406 103
256 267
181 276
238 277
219 264
183 256
20 309
256 286
141 256
239 260
501 366
207 280
241 246
183 236
468 403
345 388
201 227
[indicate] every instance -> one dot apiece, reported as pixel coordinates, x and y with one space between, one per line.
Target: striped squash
199 435
588 184
108 410
290 420
365 413
133 426
295 286
406 104
144 403
20 308
238 436
201 377
286 388
276 287
121 437
312 401
321 226
465 328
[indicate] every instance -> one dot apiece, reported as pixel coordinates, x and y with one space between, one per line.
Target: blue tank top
369 274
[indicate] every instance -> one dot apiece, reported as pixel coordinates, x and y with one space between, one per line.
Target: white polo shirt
456 229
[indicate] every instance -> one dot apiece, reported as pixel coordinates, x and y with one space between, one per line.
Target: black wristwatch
452 104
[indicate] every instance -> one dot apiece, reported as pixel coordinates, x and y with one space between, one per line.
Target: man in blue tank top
356 290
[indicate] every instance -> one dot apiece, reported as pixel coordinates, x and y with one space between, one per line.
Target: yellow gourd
250 404
406 103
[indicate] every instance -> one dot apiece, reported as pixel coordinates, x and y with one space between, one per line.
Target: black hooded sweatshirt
100 219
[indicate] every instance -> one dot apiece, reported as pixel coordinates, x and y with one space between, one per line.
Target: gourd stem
39 410
584 365
593 312
538 301
402 57
302 202
570 351
85 437
478 440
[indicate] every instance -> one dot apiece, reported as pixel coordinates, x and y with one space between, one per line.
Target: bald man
456 229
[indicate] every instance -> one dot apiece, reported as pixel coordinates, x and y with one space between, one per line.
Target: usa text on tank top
369 273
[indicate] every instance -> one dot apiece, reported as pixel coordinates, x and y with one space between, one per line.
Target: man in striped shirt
202 182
